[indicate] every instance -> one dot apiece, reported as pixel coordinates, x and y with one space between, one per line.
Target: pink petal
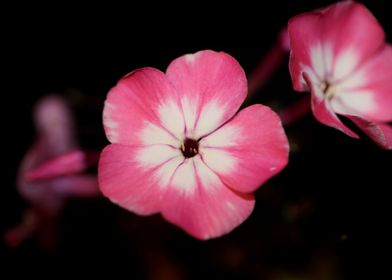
55 126
135 177
350 25
212 87
68 163
380 133
304 31
76 185
346 33
143 107
368 92
248 150
323 112
37 192
210 209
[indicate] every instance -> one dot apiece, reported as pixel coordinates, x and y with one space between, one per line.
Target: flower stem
269 63
295 111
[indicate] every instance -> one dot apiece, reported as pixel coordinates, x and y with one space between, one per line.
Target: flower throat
190 148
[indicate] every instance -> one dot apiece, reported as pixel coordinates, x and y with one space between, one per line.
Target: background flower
339 54
50 172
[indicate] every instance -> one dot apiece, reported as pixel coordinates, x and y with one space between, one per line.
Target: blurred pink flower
339 54
179 148
49 173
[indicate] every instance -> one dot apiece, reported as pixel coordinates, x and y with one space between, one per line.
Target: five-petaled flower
179 148
339 54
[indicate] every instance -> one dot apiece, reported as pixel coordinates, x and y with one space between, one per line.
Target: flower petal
212 87
354 33
55 126
142 101
76 185
368 92
210 209
304 31
380 133
248 150
323 112
135 177
69 163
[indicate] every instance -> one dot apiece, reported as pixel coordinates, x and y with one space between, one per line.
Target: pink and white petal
69 163
368 92
305 40
212 86
135 177
208 210
248 150
142 101
380 133
354 33
323 111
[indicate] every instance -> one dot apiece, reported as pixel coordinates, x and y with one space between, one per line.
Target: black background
324 217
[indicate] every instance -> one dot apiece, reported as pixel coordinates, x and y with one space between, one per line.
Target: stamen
328 89
190 148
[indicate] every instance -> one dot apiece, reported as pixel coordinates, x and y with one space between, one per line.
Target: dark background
326 216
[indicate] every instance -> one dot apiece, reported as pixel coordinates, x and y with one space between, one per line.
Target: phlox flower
339 54
180 148
50 172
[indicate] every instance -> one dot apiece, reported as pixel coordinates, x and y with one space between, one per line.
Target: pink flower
180 149
339 54
50 172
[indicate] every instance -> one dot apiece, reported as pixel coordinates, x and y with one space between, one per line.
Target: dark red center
190 148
